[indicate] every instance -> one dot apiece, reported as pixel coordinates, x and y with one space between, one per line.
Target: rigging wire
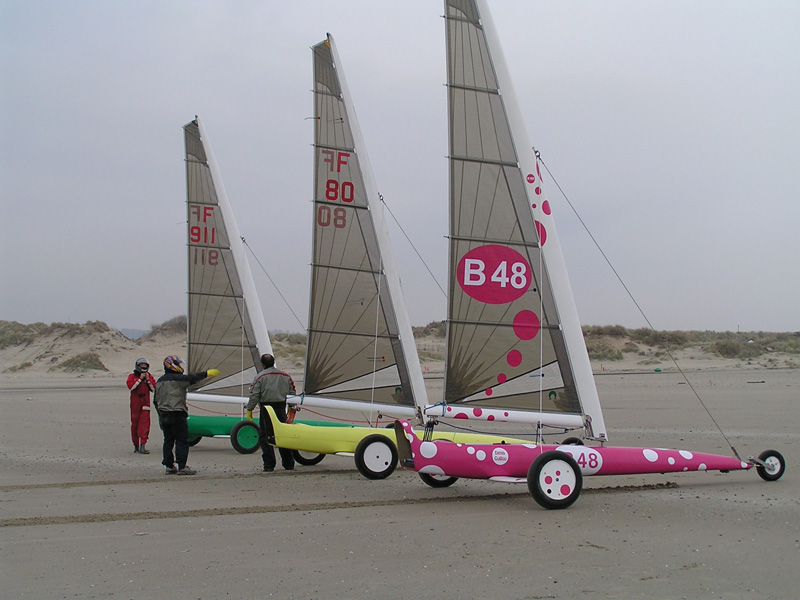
244 241
413 247
633 299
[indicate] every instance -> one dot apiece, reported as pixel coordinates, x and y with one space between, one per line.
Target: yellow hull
343 440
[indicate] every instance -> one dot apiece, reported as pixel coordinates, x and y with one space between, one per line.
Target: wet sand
84 517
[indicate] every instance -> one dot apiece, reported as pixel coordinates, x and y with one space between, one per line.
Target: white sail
515 347
226 328
361 350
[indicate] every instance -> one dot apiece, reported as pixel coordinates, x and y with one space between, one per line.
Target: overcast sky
673 127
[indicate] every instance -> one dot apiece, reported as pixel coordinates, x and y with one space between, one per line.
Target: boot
143 450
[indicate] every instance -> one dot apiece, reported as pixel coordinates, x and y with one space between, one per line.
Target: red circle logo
493 274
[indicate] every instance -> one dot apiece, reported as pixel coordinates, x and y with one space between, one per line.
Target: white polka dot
686 454
480 455
744 465
470 450
528 445
432 469
701 467
428 449
671 460
650 455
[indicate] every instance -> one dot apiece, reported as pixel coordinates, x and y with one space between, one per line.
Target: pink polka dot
541 231
501 378
565 490
488 391
490 418
533 205
477 411
558 473
526 325
461 415
530 178
537 191
548 480
505 414
546 207
514 358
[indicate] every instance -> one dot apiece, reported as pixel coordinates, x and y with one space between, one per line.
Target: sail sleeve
226 329
511 328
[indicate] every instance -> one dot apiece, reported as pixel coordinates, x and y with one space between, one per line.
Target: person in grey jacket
170 402
270 388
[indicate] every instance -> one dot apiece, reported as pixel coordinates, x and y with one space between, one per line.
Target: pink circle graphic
548 480
533 205
477 412
488 391
526 325
541 231
501 378
493 274
490 418
531 178
546 207
565 490
538 191
514 358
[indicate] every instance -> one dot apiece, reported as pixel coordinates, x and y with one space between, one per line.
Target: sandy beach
84 517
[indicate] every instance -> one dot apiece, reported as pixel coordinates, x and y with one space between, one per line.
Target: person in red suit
140 383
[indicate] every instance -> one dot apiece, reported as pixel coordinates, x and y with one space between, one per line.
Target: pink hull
484 461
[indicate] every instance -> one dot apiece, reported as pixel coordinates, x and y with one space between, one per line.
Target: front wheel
376 456
438 481
555 480
775 465
244 437
307 458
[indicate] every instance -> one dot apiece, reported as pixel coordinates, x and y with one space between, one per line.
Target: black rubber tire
548 474
376 456
242 439
195 440
777 465
307 458
572 441
437 481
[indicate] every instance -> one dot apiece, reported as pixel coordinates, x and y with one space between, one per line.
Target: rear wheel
244 437
195 440
438 481
555 480
775 465
376 456
307 458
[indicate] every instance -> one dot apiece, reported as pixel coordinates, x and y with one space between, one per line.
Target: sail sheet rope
635 302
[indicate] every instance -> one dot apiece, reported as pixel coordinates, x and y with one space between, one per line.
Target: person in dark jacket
270 387
170 402
140 383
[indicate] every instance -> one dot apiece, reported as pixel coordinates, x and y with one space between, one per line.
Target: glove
249 415
212 372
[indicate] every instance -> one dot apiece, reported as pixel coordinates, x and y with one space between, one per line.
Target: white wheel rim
377 457
773 465
557 479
